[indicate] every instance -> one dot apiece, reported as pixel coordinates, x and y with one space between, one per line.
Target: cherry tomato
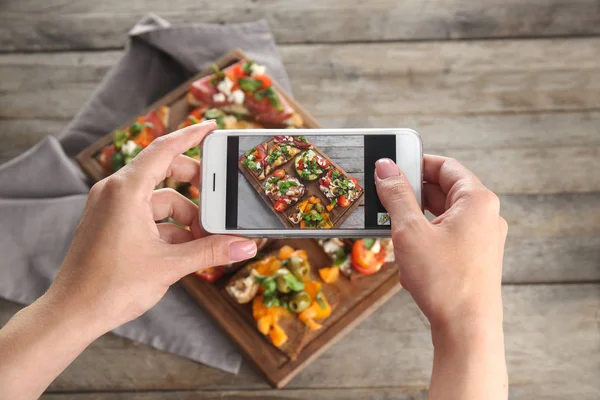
343 201
354 180
364 260
323 162
266 81
210 274
194 192
106 156
280 205
279 173
300 164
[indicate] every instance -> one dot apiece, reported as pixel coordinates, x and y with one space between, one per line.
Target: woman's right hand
451 266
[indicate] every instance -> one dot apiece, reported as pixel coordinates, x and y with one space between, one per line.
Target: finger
184 169
150 167
167 203
435 198
211 251
396 195
445 172
174 234
455 180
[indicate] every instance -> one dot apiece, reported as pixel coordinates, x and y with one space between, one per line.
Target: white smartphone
302 182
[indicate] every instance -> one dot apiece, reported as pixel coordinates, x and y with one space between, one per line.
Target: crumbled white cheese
225 86
219 97
350 184
237 96
376 247
250 157
128 147
330 247
257 69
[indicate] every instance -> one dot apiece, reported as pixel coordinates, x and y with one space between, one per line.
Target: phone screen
305 182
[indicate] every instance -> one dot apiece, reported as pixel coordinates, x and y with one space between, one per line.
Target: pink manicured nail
385 168
242 250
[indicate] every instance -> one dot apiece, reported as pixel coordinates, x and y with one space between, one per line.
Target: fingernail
208 121
242 250
385 168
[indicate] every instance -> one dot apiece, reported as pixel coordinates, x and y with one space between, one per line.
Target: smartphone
302 182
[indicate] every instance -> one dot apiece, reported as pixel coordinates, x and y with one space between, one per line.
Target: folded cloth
42 193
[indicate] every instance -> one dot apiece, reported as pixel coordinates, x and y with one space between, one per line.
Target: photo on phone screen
305 182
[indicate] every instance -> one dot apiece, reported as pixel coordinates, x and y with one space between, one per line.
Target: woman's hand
121 262
452 267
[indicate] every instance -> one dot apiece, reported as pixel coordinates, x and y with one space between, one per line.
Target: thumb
211 251
397 195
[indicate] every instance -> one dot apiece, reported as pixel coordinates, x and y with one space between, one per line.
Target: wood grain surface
394 346
73 25
522 114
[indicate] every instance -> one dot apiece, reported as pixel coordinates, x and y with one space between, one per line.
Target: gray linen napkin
42 193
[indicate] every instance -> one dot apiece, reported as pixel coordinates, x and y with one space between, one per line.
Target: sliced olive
299 302
319 207
314 212
282 286
299 267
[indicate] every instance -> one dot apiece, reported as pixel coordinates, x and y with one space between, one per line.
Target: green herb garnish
368 243
247 67
249 84
293 283
117 161
320 300
218 76
119 138
270 94
136 128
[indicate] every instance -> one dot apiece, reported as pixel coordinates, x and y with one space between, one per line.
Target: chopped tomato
325 182
323 162
279 173
300 164
266 81
354 180
194 192
364 260
236 71
280 205
343 201
106 156
144 138
211 274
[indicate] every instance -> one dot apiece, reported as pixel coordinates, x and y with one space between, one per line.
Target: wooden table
510 88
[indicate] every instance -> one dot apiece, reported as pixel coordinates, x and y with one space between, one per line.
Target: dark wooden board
337 215
179 110
357 300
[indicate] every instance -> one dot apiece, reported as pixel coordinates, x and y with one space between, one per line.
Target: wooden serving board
337 215
179 110
357 300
